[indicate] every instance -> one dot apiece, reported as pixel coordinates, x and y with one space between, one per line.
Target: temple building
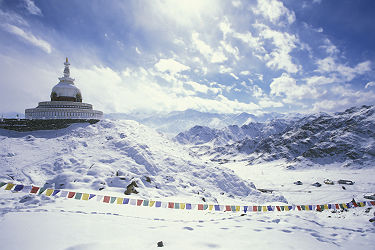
66 102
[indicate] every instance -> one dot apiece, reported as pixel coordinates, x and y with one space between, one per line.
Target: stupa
66 103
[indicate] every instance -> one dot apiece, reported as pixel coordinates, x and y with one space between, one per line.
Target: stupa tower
66 102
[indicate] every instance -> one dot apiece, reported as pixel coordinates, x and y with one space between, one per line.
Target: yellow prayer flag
151 203
9 186
307 207
85 197
344 205
362 204
120 200
182 205
264 208
210 207
49 192
238 208
326 206
286 208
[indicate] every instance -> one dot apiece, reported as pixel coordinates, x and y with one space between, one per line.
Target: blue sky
208 55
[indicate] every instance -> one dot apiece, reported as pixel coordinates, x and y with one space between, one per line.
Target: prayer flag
113 199
228 208
99 197
188 206
2 184
120 200
244 209
9 186
133 202
217 207
139 202
41 190
182 205
78 196
34 190
49 191
27 189
152 203
106 199
269 208
205 206
158 204
146 202
71 194
92 196
264 208
126 201
56 191
177 205
18 188
170 205
85 197
64 193
200 206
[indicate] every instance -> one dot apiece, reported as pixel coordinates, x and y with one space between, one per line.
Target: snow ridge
112 154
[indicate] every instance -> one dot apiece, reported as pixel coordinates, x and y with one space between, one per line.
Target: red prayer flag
228 208
71 194
278 208
255 208
106 199
139 202
34 190
170 205
200 206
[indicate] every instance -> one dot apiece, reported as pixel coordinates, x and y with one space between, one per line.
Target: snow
104 158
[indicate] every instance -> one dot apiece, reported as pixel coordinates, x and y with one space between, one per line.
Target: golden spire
66 59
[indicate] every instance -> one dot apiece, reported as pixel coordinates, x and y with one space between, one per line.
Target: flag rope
31 189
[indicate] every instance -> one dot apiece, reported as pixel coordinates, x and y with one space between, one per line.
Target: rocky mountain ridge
346 137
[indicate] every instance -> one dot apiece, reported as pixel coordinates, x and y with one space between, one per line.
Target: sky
209 55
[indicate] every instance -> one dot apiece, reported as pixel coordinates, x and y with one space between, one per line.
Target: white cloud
237 3
320 80
170 65
28 37
329 65
284 43
209 53
32 8
370 84
329 47
274 10
234 76
12 18
266 102
288 87
245 73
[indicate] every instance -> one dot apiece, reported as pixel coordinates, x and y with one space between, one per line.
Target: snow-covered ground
104 158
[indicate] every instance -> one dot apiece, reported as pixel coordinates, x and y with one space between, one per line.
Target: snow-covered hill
111 155
346 137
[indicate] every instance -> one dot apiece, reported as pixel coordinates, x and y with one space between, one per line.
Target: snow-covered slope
110 155
346 137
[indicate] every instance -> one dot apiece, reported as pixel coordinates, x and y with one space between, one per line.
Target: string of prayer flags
177 205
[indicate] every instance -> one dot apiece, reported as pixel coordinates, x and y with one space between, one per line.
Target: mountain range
346 137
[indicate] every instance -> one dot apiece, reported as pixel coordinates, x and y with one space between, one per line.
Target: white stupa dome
65 90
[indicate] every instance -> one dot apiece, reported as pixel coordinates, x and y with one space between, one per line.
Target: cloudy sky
209 55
